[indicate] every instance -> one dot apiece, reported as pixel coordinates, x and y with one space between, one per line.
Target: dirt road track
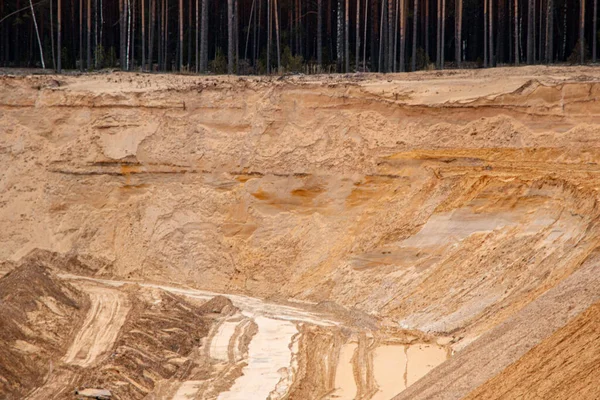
101 327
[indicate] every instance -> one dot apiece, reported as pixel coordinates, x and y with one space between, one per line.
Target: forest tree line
310 36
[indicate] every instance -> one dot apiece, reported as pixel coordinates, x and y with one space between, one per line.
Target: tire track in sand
101 327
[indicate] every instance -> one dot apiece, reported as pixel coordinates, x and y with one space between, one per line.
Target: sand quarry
409 236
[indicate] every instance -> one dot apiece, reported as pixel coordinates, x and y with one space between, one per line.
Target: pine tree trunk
230 37
121 35
320 34
594 31
530 27
300 29
204 38
510 32
160 15
403 35
381 24
51 34
443 51
151 29
189 34
517 33
81 35
458 34
89 34
340 35
38 35
59 37
166 36
390 35
101 23
549 31
396 23
276 11
438 57
252 11
256 39
564 41
582 31
427 28
132 35
374 34
269 30
2 37
365 36
357 52
414 38
143 34
540 48
128 35
95 54
492 62
485 34
180 41
347 36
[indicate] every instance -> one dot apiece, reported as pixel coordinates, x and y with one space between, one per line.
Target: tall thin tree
143 34
365 36
269 35
38 35
320 34
492 61
59 37
357 52
249 29
204 37
595 31
582 31
485 33
52 34
414 38
530 31
81 35
443 42
96 17
390 36
151 30
458 32
347 35
517 32
340 35
438 58
180 41
276 11
403 19
89 34
381 41
549 31
427 28
230 36
396 23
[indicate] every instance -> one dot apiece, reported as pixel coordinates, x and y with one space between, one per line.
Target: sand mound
39 316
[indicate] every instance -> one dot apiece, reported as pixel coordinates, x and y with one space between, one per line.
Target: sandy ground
270 361
102 325
454 205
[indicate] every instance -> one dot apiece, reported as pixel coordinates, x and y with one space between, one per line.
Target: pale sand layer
268 361
422 358
100 330
390 365
344 374
219 348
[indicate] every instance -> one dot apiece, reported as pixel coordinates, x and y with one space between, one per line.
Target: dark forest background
283 36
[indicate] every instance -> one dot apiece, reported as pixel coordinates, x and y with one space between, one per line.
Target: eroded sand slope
452 205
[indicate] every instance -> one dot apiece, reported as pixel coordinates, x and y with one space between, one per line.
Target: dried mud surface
356 216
